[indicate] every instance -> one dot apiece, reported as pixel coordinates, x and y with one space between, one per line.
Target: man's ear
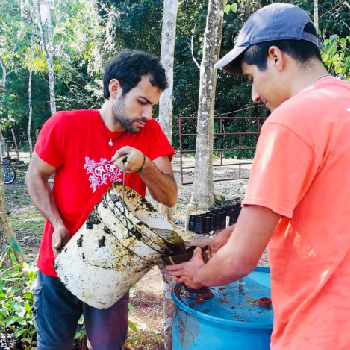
275 55
114 88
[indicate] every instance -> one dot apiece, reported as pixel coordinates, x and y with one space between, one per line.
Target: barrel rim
220 321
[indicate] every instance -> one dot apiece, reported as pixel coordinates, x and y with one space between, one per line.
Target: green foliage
132 326
78 35
86 33
16 299
233 7
81 332
336 56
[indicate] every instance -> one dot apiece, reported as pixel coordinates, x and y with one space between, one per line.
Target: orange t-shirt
302 172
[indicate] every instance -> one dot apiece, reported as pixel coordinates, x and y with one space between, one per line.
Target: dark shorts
57 312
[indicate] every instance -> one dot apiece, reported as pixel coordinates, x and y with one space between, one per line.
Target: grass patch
145 340
18 223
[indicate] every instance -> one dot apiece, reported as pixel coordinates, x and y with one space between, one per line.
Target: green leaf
14 245
27 306
12 290
20 332
3 313
16 307
12 319
227 9
28 296
234 7
132 326
332 48
131 308
12 256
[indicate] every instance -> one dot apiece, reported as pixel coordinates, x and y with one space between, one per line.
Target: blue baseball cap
273 22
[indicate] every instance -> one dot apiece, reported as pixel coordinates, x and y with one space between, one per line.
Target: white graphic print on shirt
102 172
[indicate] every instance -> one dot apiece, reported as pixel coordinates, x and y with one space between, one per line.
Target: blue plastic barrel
231 320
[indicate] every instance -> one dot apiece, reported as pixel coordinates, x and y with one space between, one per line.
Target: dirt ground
147 297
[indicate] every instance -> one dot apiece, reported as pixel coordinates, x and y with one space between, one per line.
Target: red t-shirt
76 143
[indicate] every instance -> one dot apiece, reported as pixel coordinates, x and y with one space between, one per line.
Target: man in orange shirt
297 200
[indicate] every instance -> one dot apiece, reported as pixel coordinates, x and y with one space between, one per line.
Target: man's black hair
300 50
129 66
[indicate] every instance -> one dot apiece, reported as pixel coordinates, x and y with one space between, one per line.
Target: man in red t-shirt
86 151
297 199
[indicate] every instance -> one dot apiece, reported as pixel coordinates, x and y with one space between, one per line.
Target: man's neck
304 77
107 118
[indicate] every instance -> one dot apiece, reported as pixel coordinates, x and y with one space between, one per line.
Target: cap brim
230 62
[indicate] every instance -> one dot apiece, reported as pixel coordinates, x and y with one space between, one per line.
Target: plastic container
114 248
231 320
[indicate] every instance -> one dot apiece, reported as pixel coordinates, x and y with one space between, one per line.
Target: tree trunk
6 233
50 60
3 78
168 308
3 213
316 15
170 8
167 59
48 52
16 146
3 152
203 192
30 145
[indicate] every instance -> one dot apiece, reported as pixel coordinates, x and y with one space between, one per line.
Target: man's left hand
129 158
186 272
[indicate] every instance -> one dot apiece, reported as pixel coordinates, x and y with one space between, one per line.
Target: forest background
52 56
86 33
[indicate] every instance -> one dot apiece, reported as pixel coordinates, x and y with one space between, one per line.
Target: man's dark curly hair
129 66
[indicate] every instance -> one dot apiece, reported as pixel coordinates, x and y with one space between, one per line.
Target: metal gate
240 143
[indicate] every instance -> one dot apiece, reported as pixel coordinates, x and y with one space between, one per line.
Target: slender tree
167 60
170 8
203 193
7 235
5 69
30 107
48 51
316 14
3 210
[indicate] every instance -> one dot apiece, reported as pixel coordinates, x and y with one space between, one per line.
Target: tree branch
4 73
41 27
14 49
194 59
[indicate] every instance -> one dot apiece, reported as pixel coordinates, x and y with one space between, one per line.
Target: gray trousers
57 311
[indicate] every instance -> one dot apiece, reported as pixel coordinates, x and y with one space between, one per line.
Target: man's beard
120 116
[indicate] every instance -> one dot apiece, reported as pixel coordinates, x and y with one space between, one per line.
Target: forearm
42 197
161 186
221 269
241 254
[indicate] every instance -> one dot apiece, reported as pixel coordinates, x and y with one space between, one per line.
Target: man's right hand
60 238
